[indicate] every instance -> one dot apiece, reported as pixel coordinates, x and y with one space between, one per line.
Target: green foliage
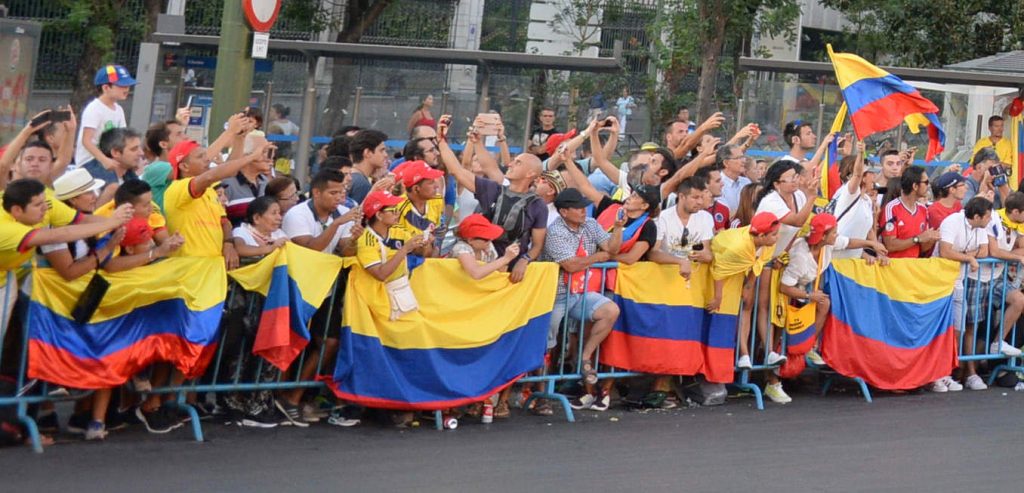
933 33
504 25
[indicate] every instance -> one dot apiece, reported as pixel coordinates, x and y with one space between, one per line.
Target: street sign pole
233 77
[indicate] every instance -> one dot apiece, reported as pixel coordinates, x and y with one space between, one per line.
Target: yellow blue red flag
663 327
294 281
166 311
893 325
879 101
468 340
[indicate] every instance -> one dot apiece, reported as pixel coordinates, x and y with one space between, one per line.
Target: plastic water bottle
450 423
488 415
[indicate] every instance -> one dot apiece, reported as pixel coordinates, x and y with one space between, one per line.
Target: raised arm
858 171
238 124
463 176
503 152
67 148
478 271
15 146
487 162
693 139
227 170
75 232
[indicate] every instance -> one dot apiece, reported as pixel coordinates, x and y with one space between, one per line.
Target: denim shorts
581 308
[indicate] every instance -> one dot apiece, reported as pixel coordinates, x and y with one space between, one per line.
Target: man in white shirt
685 232
963 238
321 223
1003 244
732 161
801 140
113 84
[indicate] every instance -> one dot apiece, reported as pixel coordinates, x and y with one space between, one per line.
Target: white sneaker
776 394
953 385
744 363
815 358
975 382
1006 349
939 386
774 359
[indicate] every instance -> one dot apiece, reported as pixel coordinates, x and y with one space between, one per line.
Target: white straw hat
75 183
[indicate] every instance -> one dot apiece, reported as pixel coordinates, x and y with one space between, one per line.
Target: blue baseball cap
114 74
949 180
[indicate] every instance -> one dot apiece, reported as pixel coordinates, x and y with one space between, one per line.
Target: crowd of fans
94 194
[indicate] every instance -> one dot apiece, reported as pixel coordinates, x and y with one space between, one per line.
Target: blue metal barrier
981 302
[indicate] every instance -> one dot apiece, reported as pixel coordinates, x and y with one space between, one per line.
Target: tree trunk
153 10
359 16
712 40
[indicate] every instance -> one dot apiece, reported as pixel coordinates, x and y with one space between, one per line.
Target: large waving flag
891 326
468 340
166 311
663 327
879 101
295 282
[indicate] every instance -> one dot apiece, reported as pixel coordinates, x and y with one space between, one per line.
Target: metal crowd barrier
567 362
991 299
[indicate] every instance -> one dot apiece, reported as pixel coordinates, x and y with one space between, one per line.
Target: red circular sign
261 13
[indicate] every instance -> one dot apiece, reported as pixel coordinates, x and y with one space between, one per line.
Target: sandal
588 371
502 411
542 408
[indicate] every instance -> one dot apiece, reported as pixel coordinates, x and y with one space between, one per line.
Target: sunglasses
685 240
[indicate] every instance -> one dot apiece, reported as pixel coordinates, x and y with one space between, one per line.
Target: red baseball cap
764 222
179 152
820 226
378 200
477 226
137 232
555 140
413 172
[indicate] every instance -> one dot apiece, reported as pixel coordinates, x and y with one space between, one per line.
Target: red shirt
720 213
904 224
937 212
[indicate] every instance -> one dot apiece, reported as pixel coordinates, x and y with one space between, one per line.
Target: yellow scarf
1010 223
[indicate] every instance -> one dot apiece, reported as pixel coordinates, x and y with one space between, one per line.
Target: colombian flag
166 311
468 340
830 181
879 101
295 281
891 326
663 327
1016 132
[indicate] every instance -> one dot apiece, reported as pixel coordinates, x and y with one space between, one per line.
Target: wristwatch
917 240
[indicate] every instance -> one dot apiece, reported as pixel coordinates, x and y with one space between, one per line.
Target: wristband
526 257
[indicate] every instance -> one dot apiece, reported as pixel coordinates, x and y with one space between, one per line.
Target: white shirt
803 267
731 191
857 223
774 203
466 202
300 221
243 233
552 214
964 238
1002 238
100 117
699 228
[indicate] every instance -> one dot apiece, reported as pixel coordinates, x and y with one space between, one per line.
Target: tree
932 33
359 15
693 36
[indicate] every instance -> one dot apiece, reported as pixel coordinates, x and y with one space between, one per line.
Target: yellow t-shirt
13 236
1004 149
198 219
412 222
156 219
368 251
57 213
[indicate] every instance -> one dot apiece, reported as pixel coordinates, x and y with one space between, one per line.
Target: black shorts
326 322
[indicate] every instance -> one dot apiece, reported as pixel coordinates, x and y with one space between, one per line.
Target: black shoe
115 421
265 419
48 423
79 422
292 414
163 420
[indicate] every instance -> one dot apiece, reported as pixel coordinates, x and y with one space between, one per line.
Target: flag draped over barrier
879 101
295 281
891 326
663 327
468 340
166 311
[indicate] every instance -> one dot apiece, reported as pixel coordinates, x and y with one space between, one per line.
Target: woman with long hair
421 116
745 211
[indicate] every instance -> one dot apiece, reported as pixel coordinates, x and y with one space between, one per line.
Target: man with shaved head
514 206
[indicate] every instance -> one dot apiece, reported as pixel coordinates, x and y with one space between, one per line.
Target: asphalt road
967 441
